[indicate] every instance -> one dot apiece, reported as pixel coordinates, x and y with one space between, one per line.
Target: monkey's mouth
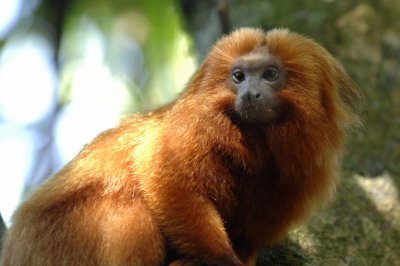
254 115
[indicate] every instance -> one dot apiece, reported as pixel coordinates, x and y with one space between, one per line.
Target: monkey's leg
193 226
131 235
107 230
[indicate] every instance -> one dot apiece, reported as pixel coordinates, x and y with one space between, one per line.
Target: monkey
250 148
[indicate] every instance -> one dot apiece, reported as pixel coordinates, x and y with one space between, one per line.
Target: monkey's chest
263 213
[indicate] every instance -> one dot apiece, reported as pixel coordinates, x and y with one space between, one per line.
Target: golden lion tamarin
246 151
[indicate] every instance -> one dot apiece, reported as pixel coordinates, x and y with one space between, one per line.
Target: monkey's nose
251 97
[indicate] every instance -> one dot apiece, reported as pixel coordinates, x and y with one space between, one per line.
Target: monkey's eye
238 76
271 74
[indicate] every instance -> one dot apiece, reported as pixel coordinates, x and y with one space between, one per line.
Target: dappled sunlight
382 191
9 14
172 77
184 63
17 157
304 239
27 80
95 98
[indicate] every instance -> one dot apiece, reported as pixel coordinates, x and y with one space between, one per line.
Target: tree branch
223 14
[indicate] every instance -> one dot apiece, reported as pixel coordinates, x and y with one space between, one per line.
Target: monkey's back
83 215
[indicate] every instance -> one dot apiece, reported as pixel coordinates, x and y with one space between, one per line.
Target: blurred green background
70 69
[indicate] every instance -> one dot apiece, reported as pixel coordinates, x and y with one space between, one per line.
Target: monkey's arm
192 225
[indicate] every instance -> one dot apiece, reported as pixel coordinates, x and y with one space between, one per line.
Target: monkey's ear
350 95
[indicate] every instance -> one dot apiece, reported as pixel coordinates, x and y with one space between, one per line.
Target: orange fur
187 178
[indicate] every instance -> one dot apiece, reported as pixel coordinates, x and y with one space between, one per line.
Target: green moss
361 227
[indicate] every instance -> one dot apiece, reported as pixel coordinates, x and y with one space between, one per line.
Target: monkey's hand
192 225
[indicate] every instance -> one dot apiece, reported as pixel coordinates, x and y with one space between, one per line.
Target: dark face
256 78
